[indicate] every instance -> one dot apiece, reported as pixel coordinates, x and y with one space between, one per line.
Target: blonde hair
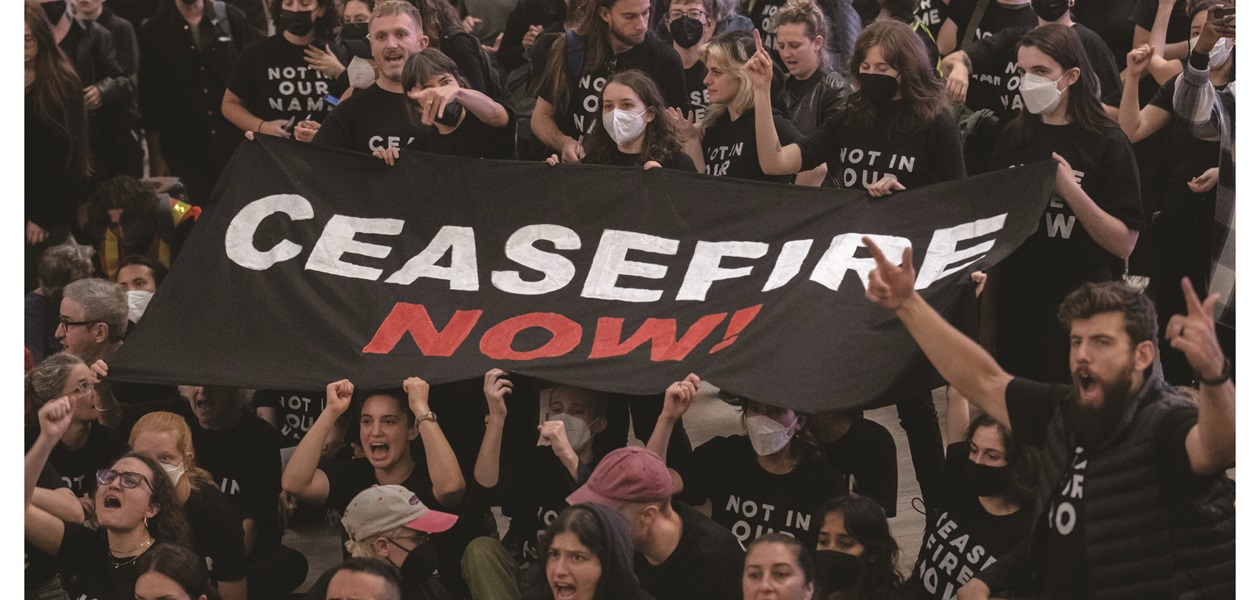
731 52
166 422
363 548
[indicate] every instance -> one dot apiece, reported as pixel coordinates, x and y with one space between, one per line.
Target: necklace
122 563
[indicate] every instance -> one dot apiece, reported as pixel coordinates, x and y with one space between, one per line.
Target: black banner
315 265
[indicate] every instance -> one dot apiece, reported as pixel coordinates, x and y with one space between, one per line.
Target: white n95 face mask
767 435
360 73
624 126
174 472
577 431
1040 94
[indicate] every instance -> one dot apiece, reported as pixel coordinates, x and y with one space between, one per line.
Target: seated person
863 451
58 267
358 579
855 553
389 523
127 217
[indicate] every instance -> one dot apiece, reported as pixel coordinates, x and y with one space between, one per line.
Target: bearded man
1135 502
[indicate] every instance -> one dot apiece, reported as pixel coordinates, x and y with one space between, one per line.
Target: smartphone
1220 12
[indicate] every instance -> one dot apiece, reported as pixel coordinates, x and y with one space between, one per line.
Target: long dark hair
439 17
583 19
1024 460
864 519
661 141
607 535
421 67
168 525
922 93
57 93
181 565
1084 108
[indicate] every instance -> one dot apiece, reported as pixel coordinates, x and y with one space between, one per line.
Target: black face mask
988 481
877 87
54 10
686 31
354 31
450 117
297 22
837 570
189 2
420 565
1050 10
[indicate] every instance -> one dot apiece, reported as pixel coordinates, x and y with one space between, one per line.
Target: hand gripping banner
313 265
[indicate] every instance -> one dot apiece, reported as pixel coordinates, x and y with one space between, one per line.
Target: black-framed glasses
694 13
66 323
127 479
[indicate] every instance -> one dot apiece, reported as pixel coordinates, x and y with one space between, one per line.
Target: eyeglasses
66 323
128 479
694 13
82 389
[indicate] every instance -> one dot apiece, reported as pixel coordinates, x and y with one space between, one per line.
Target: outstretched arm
774 158
496 387
448 480
960 360
302 476
1210 443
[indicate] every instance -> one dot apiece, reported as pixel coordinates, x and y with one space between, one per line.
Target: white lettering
239 240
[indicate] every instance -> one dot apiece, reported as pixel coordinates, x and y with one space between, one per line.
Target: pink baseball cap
630 474
383 508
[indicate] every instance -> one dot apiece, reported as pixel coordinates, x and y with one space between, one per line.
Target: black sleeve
465 50
1171 454
788 133
945 150
226 544
242 82
151 101
1005 145
1010 570
1104 64
668 75
1164 96
511 53
876 475
50 479
255 13
993 52
1122 196
260 479
817 147
1143 14
957 487
682 162
127 47
1031 405
117 89
243 30
697 472
334 132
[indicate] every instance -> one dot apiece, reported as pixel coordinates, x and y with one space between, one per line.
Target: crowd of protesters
1102 476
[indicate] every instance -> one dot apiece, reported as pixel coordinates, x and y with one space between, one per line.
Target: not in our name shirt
965 539
931 14
697 92
585 106
751 501
706 563
273 80
370 119
730 147
857 158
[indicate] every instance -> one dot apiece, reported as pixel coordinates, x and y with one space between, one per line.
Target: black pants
276 571
927 448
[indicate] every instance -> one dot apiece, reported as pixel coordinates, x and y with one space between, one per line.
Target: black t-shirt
730 147
1105 167
295 411
809 107
273 80
1178 22
1110 20
966 538
533 491
751 501
215 532
84 554
77 468
857 158
1185 156
40 567
867 455
706 564
585 107
680 161
370 119
1032 406
245 462
931 14
765 18
996 18
697 92
473 138
995 81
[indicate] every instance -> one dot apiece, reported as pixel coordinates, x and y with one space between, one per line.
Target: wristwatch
1224 376
429 416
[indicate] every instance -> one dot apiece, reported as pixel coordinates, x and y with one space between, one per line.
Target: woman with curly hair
58 160
587 554
635 129
897 129
135 507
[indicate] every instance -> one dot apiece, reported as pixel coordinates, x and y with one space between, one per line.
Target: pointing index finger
876 253
1193 306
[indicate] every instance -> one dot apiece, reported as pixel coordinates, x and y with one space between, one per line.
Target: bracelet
430 416
260 124
1219 380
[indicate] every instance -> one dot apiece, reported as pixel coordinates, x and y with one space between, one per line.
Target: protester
862 450
272 86
1123 451
991 485
586 554
855 555
134 507
779 566
123 34
58 267
815 92
724 141
181 89
173 572
215 529
898 116
773 466
679 553
375 117
389 523
1185 184
140 273
957 30
57 156
93 319
85 444
842 24
358 579
692 24
636 130
128 218
614 33
1091 224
